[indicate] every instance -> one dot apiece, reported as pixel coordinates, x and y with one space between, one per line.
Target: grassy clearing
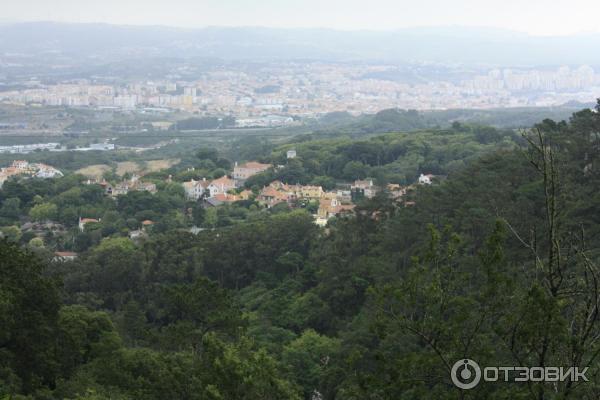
94 171
157 165
127 167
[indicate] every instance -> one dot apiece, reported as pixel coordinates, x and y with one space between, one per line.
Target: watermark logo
467 374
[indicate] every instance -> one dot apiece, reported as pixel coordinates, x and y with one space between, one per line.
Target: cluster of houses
218 190
227 190
127 185
32 170
331 203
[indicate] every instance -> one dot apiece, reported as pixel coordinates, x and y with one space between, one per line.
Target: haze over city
537 17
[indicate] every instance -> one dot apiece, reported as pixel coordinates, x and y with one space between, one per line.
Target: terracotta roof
86 220
224 180
325 204
147 222
270 191
225 198
255 165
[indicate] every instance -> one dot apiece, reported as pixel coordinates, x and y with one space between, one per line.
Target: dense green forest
393 157
497 263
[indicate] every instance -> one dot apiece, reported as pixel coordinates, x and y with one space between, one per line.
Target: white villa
195 189
425 179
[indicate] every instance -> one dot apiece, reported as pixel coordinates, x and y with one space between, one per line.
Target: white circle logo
465 374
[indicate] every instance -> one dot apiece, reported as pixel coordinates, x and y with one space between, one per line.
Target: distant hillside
461 45
397 120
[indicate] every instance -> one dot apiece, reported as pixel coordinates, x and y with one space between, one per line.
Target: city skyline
272 94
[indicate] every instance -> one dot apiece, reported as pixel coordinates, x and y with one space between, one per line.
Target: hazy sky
540 17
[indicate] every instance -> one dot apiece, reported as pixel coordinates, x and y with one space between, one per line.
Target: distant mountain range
470 46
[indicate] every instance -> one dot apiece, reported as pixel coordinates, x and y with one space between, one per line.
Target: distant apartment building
125 102
190 91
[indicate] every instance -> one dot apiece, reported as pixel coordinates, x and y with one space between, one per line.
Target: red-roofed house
64 256
270 196
221 185
226 197
329 208
84 221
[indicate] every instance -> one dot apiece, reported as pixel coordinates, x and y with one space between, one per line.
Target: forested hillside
498 262
392 120
394 157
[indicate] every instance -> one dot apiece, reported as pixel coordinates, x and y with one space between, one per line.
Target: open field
94 171
144 167
157 165
127 167
97 170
